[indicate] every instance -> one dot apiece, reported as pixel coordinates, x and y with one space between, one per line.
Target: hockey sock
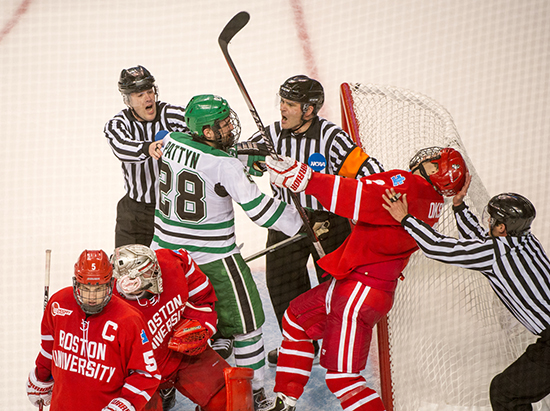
353 393
295 359
249 352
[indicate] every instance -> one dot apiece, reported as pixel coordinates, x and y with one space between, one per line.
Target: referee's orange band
353 162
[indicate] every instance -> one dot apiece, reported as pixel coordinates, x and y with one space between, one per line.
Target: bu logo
317 162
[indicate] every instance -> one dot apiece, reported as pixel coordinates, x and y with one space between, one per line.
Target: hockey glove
189 338
119 404
39 391
288 173
252 155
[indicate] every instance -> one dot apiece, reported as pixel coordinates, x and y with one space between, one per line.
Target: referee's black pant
135 222
286 269
526 381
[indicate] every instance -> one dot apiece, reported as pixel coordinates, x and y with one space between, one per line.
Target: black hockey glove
252 155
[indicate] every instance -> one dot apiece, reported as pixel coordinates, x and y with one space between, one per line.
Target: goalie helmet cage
447 334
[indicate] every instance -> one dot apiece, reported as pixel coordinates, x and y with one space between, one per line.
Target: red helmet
451 173
93 267
93 281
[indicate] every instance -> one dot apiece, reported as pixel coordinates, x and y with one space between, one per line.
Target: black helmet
135 80
303 90
513 210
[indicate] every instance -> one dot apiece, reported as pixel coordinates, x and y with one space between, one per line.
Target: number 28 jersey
198 184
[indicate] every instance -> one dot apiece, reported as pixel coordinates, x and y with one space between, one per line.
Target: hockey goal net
447 334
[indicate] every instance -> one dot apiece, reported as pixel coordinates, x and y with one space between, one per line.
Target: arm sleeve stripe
357 206
334 199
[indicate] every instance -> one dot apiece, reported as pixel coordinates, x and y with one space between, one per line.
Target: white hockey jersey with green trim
194 211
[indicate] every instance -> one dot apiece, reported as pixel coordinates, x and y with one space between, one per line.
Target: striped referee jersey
517 267
130 139
326 148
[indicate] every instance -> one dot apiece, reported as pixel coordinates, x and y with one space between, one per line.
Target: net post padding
448 334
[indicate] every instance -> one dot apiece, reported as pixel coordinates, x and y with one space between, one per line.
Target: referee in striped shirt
131 135
518 269
304 136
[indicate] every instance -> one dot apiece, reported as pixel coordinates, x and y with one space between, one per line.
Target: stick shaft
275 247
230 30
47 277
46 296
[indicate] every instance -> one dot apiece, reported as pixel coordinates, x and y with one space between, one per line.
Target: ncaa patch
397 180
143 336
317 162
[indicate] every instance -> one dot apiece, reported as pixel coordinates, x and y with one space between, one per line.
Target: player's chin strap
423 173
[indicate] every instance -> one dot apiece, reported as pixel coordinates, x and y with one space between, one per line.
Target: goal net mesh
448 333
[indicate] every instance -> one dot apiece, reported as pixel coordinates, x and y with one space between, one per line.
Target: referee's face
144 105
291 113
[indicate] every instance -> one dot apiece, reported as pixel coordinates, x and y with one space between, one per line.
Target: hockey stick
229 31
46 296
276 246
47 278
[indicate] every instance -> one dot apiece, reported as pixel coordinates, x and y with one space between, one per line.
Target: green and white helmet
208 110
137 270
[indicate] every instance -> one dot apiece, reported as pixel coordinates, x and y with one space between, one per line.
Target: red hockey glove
119 404
189 338
288 173
39 391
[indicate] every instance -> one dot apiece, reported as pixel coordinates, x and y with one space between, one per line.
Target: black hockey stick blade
233 27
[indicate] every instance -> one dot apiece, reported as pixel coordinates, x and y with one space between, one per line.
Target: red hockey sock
295 359
353 393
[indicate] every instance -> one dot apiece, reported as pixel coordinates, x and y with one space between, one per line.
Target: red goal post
447 334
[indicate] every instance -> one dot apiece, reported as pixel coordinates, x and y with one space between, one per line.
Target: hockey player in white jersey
199 180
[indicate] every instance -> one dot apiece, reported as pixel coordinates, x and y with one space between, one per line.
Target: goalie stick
229 31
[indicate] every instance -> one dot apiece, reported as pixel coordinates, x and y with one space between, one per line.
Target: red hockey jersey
183 283
94 359
377 237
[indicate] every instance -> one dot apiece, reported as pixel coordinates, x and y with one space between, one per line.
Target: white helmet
137 270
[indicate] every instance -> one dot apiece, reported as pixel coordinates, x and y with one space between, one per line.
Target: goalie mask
137 270
93 281
451 169
304 90
210 111
513 210
135 80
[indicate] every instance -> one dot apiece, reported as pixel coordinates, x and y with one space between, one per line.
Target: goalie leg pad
201 377
238 382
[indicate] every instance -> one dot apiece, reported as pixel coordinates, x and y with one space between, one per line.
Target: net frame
447 334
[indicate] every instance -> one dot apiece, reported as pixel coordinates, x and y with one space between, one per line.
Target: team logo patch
398 180
57 310
317 162
143 336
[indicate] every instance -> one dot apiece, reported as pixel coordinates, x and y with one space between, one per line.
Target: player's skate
168 397
259 397
223 346
279 403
